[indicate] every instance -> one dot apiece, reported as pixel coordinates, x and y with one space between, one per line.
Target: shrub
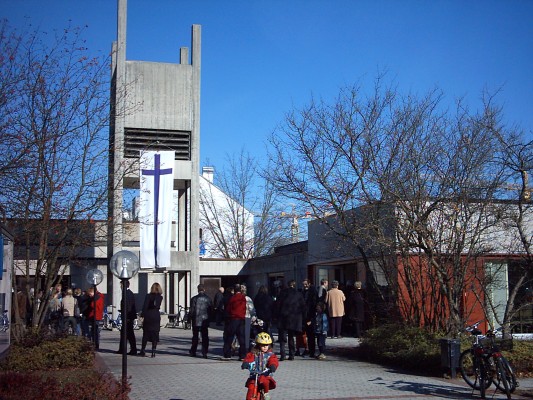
521 357
402 346
37 352
64 385
48 367
417 350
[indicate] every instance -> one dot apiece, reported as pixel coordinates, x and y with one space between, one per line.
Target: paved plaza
174 375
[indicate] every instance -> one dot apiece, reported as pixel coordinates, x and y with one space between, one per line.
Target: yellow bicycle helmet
263 338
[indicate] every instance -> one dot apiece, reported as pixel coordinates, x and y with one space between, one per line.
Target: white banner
155 207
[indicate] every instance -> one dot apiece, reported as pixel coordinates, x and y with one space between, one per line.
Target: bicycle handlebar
473 327
265 372
470 328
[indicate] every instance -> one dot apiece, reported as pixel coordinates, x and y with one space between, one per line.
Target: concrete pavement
174 375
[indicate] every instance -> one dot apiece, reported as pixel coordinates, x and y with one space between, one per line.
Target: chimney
208 173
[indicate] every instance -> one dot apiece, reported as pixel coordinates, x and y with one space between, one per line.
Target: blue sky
260 59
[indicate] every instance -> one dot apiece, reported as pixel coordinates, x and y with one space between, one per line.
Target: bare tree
517 159
12 147
55 108
238 214
426 177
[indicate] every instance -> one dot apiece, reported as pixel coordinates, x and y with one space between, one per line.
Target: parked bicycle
483 363
109 322
4 325
181 318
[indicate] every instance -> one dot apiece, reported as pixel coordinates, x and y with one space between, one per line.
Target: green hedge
62 367
403 347
415 349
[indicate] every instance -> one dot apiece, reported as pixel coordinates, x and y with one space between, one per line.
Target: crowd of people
72 310
304 318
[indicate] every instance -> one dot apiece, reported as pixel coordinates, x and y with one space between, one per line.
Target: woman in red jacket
95 326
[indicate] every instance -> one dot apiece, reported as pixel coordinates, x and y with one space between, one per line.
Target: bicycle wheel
483 378
510 376
502 378
470 368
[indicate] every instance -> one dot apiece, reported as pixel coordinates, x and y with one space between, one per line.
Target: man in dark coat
311 298
131 312
264 307
201 306
218 305
291 309
356 310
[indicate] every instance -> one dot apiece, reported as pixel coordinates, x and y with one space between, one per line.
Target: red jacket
99 307
262 361
236 307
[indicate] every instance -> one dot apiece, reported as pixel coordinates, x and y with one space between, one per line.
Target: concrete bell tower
156 106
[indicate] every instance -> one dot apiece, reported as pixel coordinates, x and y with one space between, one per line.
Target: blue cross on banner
155 215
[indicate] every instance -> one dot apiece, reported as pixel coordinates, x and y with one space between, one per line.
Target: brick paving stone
174 375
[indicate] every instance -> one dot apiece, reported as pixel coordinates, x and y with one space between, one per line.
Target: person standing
228 293
200 311
250 312
131 313
320 325
323 290
234 326
335 302
77 294
290 318
311 298
54 307
356 300
69 306
264 305
95 315
218 306
151 318
84 303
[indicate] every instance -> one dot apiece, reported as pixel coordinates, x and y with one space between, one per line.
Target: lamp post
124 265
94 277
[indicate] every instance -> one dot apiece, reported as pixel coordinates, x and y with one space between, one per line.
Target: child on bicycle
261 362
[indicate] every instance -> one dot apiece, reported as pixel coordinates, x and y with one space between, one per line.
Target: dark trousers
204 331
321 342
130 336
358 329
219 316
335 324
73 321
94 332
247 330
311 344
289 336
234 327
